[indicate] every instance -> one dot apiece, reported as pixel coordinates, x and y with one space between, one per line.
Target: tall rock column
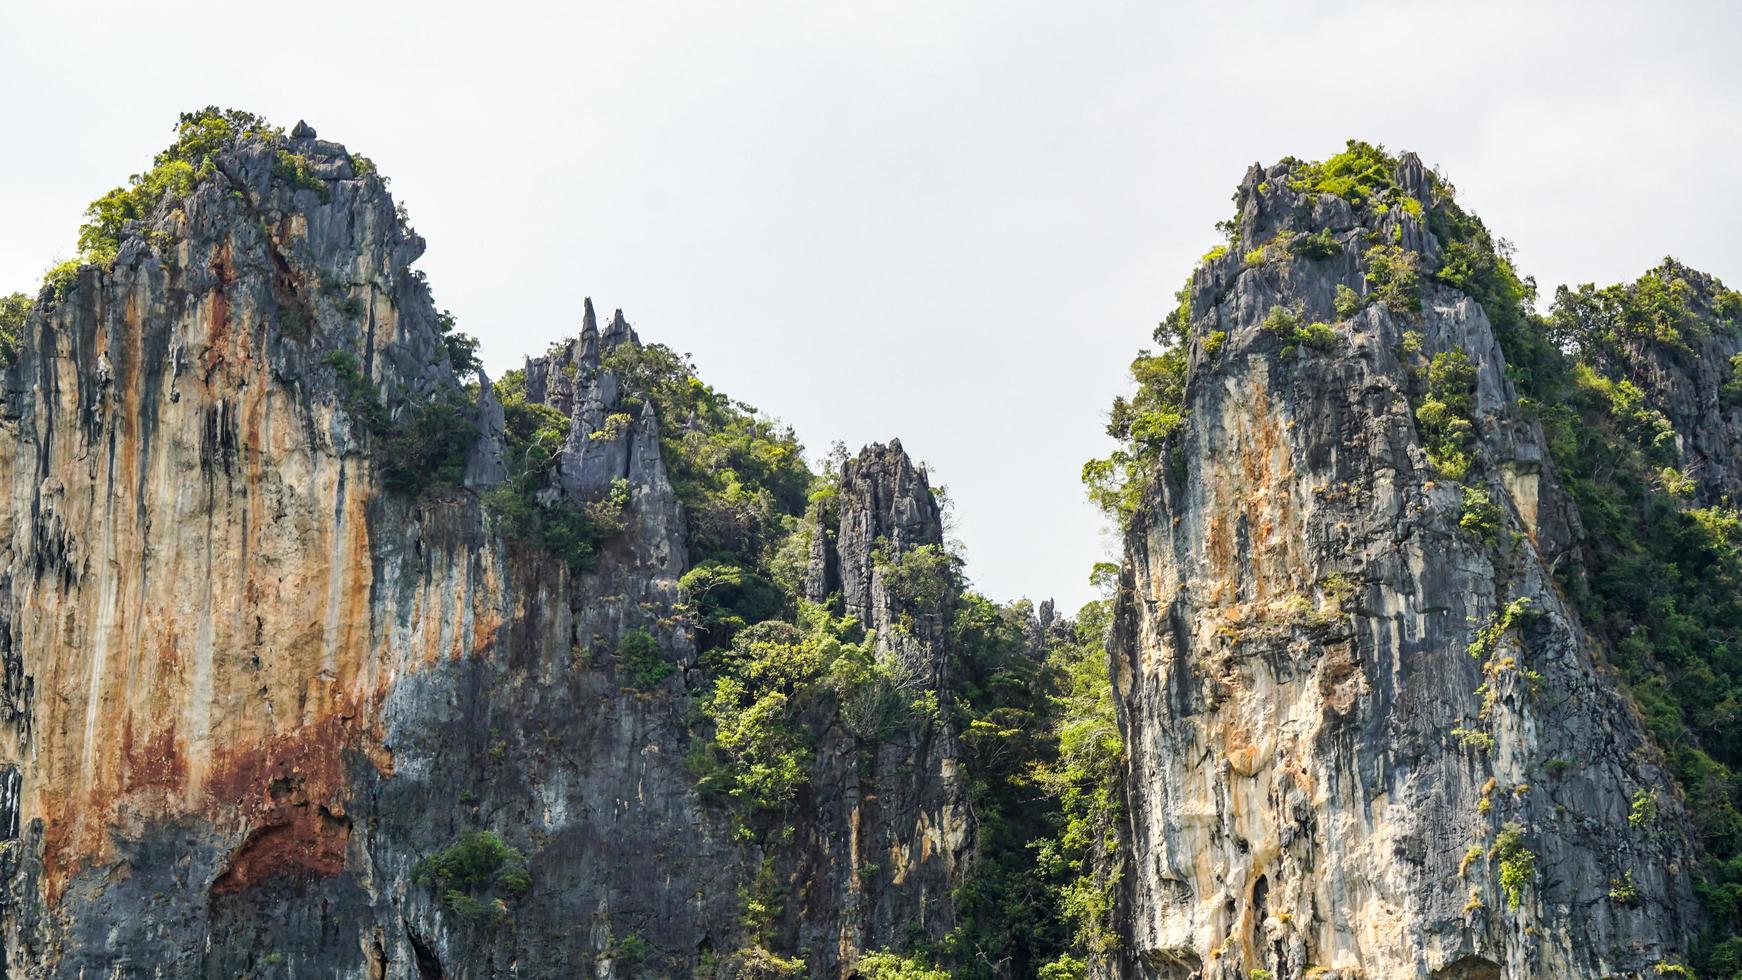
893 833
1365 735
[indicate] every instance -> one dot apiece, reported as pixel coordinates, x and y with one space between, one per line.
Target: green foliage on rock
475 876
724 599
14 312
741 477
1443 418
1145 422
1481 516
1320 244
424 447
1394 278
1288 324
1670 305
640 660
770 684
1363 174
525 506
1516 863
885 965
200 138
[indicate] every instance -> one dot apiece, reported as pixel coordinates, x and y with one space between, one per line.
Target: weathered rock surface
246 689
1323 781
1686 380
904 797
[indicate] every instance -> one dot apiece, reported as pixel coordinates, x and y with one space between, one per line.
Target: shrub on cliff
475 875
200 138
14 311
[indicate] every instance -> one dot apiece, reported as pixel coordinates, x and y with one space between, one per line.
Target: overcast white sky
948 222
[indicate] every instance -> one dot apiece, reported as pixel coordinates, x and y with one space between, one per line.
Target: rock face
1357 717
247 688
904 797
1688 376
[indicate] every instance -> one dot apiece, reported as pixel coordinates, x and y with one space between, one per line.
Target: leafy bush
14 313
1443 417
1145 422
740 476
1363 174
473 875
425 447
1347 302
1213 342
727 598
59 279
295 170
428 445
1286 322
641 661
892 966
1394 278
774 677
462 348
1517 863
200 138
1320 244
1481 517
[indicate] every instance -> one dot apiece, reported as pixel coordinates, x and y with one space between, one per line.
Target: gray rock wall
1323 779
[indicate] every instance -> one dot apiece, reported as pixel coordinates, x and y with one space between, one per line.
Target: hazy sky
949 222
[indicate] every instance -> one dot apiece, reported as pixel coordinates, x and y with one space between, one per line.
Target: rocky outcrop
1682 361
1366 736
247 688
901 798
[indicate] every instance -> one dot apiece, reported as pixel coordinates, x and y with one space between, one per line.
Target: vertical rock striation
1366 736
247 688
893 834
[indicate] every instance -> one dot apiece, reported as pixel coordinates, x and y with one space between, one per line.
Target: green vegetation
1623 890
200 138
724 599
741 477
1474 738
770 683
476 876
1085 779
891 966
1517 863
1363 174
1394 279
1670 305
1320 244
295 170
1143 423
1286 322
1660 580
14 312
524 507
641 661
425 447
461 348
1510 616
1444 415
1213 342
1642 812
1481 517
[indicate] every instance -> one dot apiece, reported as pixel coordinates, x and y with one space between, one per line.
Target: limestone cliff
1366 735
264 661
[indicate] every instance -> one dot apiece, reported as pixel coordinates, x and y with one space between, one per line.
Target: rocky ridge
253 688
1366 734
